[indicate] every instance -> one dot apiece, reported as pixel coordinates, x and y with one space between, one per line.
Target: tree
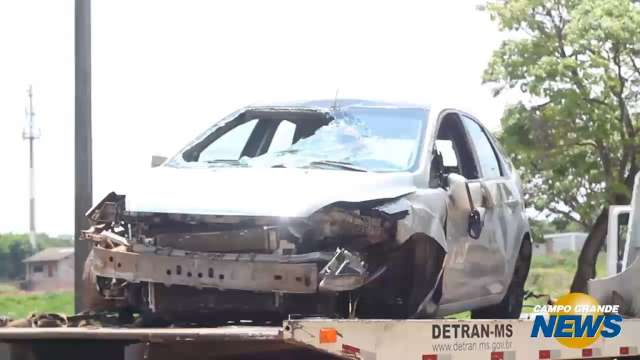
13 249
573 134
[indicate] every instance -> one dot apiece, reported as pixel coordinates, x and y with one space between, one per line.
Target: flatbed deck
95 343
224 333
316 339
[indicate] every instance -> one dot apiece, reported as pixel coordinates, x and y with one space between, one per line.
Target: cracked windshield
358 139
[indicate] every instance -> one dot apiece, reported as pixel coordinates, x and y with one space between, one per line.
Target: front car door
503 209
464 272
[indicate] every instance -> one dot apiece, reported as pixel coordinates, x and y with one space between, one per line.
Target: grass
7 288
17 304
553 274
550 275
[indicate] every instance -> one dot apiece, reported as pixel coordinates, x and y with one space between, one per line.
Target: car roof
332 103
329 104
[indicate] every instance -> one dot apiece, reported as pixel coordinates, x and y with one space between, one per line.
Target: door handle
487 197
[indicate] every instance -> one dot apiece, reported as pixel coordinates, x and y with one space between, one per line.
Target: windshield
357 138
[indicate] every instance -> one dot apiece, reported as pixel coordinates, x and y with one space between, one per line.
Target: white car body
476 272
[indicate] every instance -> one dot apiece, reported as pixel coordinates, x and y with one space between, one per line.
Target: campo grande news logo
576 320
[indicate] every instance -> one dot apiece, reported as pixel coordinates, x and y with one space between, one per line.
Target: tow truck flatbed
97 343
316 339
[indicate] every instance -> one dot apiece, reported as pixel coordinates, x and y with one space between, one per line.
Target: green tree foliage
16 247
573 134
13 249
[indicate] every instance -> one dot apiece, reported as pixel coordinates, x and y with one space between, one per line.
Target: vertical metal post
31 134
32 198
83 170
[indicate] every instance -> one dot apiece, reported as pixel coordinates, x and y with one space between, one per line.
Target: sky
165 70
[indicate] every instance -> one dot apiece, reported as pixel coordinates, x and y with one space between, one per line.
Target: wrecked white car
343 208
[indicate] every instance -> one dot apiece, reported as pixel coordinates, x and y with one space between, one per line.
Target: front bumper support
222 271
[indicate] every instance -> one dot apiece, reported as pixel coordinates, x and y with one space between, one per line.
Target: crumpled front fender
425 214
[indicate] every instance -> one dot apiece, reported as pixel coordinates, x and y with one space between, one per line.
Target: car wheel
425 258
412 273
511 305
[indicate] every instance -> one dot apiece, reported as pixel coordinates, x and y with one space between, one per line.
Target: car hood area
252 191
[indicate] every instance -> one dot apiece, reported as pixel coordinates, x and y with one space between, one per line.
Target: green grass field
18 304
550 275
553 274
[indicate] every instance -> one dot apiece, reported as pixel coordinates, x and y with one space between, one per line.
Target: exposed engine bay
186 265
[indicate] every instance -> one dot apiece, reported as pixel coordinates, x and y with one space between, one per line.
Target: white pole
30 134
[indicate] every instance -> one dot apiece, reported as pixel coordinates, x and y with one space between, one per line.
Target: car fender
426 214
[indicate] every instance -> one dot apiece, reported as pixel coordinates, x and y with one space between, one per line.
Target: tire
412 273
511 305
425 258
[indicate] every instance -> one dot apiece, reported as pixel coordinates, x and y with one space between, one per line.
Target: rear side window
487 157
229 146
283 137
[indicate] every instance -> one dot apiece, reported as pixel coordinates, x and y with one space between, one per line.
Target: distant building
556 243
50 269
542 249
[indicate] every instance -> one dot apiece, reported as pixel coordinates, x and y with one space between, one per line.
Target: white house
556 243
50 270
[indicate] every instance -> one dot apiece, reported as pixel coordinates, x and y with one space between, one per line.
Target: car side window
230 145
487 157
454 147
502 155
449 156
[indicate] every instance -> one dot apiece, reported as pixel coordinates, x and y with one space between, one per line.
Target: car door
468 266
500 206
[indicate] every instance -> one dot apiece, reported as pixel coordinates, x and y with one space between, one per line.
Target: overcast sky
163 71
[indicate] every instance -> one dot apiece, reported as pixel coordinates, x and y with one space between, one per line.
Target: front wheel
411 275
425 260
511 305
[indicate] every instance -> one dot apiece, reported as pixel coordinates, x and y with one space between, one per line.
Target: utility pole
30 133
83 154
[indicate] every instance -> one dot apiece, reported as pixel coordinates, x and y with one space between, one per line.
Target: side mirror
465 195
157 160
